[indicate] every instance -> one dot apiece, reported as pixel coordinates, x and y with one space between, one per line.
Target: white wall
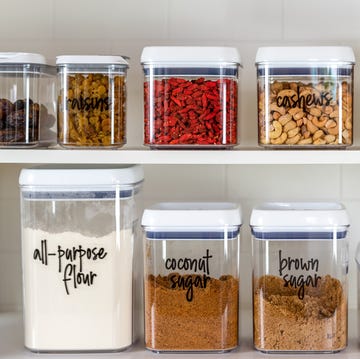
55 27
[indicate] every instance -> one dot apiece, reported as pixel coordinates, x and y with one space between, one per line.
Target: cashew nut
333 130
293 140
330 138
319 141
311 127
320 122
274 107
280 140
277 130
284 119
293 132
305 141
318 134
315 112
289 126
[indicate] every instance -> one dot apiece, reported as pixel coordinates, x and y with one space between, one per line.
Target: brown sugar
284 322
209 321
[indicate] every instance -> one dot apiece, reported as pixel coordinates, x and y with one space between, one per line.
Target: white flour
77 304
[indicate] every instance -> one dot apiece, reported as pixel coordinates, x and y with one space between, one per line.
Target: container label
188 282
304 267
71 263
88 103
303 99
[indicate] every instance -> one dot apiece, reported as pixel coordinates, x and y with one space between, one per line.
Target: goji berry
180 111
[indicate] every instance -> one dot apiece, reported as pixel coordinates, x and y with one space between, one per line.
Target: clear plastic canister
305 96
78 232
92 101
191 264
300 267
27 111
190 96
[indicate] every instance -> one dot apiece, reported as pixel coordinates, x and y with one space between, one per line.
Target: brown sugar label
188 282
308 269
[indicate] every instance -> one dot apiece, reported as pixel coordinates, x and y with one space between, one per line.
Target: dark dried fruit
19 123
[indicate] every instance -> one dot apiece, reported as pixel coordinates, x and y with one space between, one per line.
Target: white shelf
11 344
142 155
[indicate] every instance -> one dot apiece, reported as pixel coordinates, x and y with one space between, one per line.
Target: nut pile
306 114
19 122
93 111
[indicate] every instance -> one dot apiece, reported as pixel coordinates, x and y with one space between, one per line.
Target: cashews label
303 99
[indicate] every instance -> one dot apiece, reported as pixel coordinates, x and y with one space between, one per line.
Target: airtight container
26 100
300 267
92 101
305 96
78 227
190 96
191 276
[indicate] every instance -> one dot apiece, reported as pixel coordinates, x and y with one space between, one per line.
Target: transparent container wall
300 294
191 294
307 106
190 107
26 105
92 106
78 258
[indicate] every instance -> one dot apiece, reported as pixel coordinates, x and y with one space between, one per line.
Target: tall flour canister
191 276
78 229
300 266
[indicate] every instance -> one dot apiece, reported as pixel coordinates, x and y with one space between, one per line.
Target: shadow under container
305 97
92 101
191 265
190 96
300 267
27 111
78 230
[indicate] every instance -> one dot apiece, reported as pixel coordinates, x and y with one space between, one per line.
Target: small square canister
78 230
305 96
191 264
300 267
190 96
27 111
92 101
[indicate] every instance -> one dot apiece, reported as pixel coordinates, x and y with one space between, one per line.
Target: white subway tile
10 280
110 19
26 20
9 225
9 181
224 20
184 183
350 180
284 182
321 20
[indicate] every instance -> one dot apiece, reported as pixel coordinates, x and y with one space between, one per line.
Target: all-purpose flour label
77 290
71 263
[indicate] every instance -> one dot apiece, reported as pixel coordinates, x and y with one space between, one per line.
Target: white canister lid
199 215
21 58
305 54
189 55
82 177
277 215
91 59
